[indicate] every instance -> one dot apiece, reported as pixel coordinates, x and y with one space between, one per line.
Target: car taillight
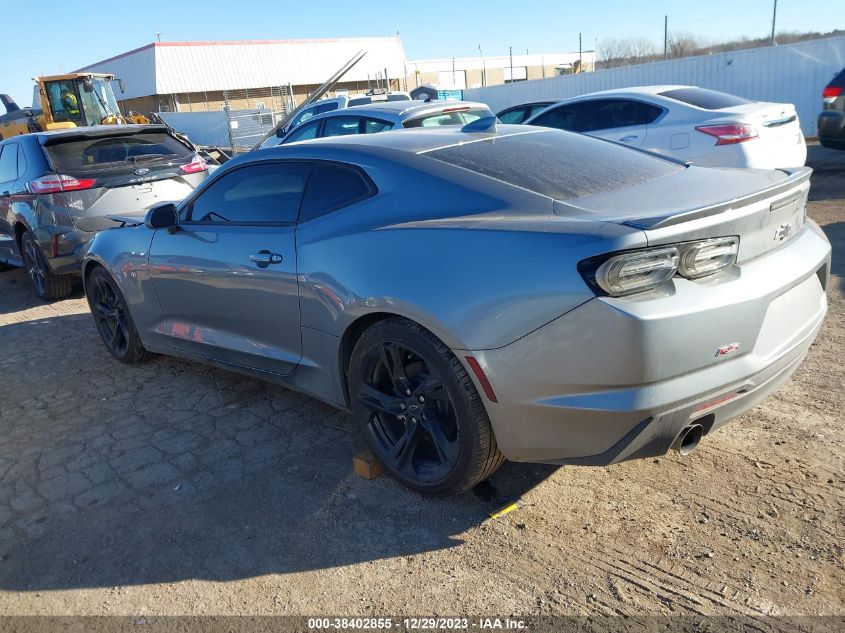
54 183
707 256
729 133
620 274
831 92
195 166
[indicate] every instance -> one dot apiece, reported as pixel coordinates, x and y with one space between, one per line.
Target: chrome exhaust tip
688 439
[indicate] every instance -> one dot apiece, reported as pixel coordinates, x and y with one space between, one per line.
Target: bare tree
683 45
615 52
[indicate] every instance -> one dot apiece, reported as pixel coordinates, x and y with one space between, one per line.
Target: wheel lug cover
402 406
407 392
422 398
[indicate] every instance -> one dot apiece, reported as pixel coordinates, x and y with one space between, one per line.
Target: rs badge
727 349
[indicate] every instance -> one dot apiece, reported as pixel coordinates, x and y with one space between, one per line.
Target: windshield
459 116
78 157
99 103
70 101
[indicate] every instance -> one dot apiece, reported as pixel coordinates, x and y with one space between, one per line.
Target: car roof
397 110
415 140
531 103
633 90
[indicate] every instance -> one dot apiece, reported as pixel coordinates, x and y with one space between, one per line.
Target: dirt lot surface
172 488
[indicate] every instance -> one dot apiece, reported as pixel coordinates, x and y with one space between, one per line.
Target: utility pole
774 19
453 72
665 37
580 58
510 54
483 67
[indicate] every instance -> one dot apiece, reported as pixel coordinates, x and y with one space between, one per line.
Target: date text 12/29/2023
415 624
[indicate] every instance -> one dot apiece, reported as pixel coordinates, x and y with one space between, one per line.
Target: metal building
271 75
460 73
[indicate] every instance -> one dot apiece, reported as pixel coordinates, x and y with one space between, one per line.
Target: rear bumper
618 379
831 124
71 247
758 154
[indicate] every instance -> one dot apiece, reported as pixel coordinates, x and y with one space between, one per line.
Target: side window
333 186
327 107
21 162
605 114
371 126
516 115
563 118
303 116
305 133
536 109
263 193
9 163
341 125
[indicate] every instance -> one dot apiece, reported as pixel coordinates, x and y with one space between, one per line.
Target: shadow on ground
121 475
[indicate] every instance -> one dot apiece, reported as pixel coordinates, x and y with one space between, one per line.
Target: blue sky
59 37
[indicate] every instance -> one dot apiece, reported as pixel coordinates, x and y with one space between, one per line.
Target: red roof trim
248 42
121 56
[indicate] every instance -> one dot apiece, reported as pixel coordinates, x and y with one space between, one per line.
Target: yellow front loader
63 101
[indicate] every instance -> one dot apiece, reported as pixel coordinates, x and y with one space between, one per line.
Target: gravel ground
173 488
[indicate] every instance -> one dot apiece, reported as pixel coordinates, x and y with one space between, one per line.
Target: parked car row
470 291
381 117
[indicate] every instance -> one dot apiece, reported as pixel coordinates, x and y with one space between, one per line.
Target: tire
112 318
832 144
420 411
48 286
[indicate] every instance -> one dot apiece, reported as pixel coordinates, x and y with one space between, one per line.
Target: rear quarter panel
477 262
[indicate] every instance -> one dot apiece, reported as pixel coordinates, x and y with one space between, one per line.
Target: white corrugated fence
792 73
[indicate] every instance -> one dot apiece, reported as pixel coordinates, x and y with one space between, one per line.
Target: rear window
123 152
839 80
435 119
561 165
706 99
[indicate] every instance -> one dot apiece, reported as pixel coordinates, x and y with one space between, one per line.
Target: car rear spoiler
319 92
101 131
794 177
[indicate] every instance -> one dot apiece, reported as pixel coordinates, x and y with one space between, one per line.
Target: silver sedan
381 117
471 296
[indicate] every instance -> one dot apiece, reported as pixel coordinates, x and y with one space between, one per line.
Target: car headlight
620 274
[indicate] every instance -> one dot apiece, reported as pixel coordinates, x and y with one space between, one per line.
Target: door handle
265 258
630 137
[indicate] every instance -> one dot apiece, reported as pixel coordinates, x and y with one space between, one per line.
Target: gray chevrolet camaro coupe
471 296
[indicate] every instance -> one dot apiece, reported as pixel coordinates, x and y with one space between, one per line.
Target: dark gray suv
832 118
57 187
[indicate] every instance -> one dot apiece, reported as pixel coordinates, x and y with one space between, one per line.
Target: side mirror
280 133
121 86
162 216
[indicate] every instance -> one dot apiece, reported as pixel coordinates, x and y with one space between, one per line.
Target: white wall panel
792 73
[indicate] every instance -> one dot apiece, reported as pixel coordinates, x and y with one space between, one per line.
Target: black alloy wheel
421 413
413 419
112 318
